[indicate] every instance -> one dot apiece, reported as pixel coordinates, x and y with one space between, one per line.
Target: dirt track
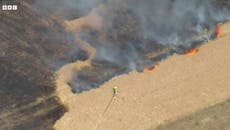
182 85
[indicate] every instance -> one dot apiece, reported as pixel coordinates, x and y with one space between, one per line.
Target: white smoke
170 23
122 32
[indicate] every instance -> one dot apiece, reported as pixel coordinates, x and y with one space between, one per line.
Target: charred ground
28 46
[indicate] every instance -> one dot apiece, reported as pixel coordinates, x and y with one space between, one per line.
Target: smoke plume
133 34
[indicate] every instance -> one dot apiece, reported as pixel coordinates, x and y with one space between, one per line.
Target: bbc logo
9 7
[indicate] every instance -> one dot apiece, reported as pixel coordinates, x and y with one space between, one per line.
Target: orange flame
192 51
218 31
155 67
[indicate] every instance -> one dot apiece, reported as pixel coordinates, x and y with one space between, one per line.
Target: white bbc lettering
4 7
15 7
9 7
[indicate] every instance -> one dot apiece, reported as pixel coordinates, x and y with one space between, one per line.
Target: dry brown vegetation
212 118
